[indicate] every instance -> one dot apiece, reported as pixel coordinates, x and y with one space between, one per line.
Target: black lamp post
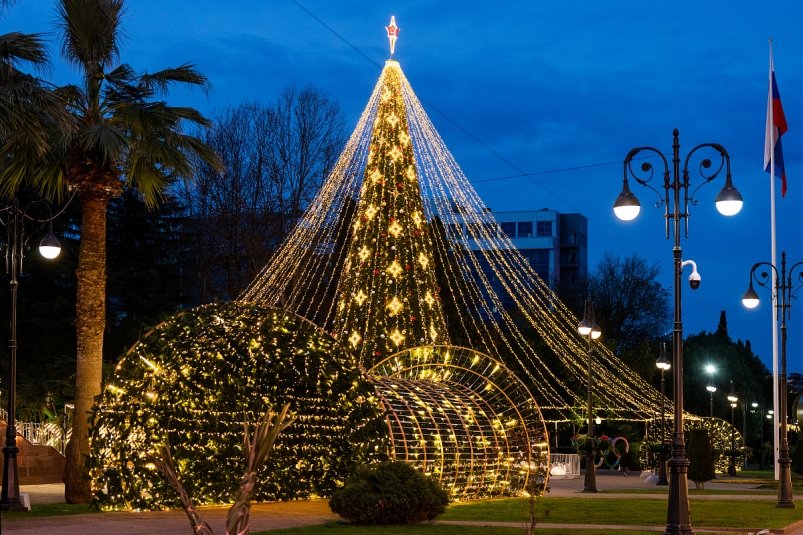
14 218
589 328
784 292
732 462
663 364
627 207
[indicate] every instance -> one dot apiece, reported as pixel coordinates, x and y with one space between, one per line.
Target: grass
50 509
617 512
695 492
336 528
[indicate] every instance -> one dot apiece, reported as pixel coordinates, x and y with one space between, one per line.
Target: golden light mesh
463 418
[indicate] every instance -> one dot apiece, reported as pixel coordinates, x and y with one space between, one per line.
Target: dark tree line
205 241
274 161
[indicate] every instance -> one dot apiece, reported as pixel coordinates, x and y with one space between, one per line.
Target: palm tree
123 136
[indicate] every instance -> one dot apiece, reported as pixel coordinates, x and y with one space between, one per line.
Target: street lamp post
711 387
627 207
758 412
663 364
589 328
732 462
13 218
784 292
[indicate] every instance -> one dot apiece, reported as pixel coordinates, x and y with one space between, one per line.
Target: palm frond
160 81
90 31
72 96
122 74
30 114
104 139
18 48
190 115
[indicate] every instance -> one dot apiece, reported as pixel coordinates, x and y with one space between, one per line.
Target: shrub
797 458
701 459
389 493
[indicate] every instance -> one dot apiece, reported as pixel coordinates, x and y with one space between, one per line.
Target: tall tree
734 361
123 135
632 308
275 159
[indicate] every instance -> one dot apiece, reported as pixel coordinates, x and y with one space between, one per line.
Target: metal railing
48 433
564 465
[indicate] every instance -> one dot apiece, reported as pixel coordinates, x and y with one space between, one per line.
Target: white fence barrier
564 465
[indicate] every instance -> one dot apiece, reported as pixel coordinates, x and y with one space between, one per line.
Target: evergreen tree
388 297
145 282
733 360
701 457
722 328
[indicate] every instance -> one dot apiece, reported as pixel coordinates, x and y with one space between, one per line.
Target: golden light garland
464 419
346 229
395 256
195 380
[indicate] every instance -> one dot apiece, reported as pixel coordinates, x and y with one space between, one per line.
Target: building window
543 229
454 230
509 229
492 229
525 229
540 262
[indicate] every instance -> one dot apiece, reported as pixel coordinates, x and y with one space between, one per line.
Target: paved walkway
312 512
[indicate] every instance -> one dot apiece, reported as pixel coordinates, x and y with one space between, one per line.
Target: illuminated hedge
198 376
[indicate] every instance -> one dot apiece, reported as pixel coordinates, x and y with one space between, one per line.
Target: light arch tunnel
464 419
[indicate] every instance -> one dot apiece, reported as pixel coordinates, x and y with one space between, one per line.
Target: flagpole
774 309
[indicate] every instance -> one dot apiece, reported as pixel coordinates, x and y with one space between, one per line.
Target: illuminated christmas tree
388 295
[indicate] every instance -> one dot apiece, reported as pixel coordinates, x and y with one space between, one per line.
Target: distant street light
663 364
676 209
710 369
13 218
783 293
589 328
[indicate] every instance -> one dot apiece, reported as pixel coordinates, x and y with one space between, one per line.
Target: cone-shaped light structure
388 298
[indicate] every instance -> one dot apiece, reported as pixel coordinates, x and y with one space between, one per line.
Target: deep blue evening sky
546 86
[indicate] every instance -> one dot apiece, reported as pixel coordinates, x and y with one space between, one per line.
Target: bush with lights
196 379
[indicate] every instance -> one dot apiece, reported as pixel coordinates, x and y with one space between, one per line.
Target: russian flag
776 127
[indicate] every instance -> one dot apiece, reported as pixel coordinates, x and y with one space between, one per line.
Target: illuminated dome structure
197 378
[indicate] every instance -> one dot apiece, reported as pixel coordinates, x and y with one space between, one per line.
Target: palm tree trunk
90 325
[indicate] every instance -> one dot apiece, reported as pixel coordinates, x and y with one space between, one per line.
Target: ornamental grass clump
389 493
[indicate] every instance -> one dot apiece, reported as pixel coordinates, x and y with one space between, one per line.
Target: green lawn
704 513
335 528
50 509
616 512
